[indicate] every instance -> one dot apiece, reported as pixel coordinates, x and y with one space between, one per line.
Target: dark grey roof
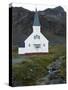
36 19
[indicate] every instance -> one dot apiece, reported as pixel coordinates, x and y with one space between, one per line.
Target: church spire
36 19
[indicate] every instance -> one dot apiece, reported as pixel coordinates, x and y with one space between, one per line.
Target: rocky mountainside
53 22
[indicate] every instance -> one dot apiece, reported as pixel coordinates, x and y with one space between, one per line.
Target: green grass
34 67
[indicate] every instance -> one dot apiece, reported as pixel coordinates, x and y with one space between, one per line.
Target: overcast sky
39 4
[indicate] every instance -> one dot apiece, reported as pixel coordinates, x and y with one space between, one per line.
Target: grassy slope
34 67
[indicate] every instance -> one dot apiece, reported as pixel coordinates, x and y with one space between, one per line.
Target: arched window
29 44
44 45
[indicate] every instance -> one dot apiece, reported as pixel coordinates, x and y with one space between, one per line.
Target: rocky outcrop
53 74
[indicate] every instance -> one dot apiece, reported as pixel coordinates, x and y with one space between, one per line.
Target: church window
36 37
44 45
29 44
37 45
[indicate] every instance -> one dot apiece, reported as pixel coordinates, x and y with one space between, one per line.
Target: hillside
53 24
39 69
35 69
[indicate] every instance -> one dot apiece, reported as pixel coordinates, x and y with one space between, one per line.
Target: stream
52 76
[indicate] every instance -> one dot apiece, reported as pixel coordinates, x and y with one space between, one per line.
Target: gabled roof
36 19
32 35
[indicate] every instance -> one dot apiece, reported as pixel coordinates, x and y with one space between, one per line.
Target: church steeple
36 19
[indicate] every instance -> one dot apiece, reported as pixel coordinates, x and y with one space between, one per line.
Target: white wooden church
36 42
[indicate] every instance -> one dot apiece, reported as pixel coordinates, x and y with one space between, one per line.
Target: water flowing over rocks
52 77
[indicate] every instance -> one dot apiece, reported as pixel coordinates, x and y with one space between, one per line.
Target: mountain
53 22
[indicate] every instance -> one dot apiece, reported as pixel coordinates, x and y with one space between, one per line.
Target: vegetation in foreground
34 67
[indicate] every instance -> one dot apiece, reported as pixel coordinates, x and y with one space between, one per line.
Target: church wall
36 29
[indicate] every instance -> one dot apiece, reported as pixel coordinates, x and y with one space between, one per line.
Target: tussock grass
35 66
